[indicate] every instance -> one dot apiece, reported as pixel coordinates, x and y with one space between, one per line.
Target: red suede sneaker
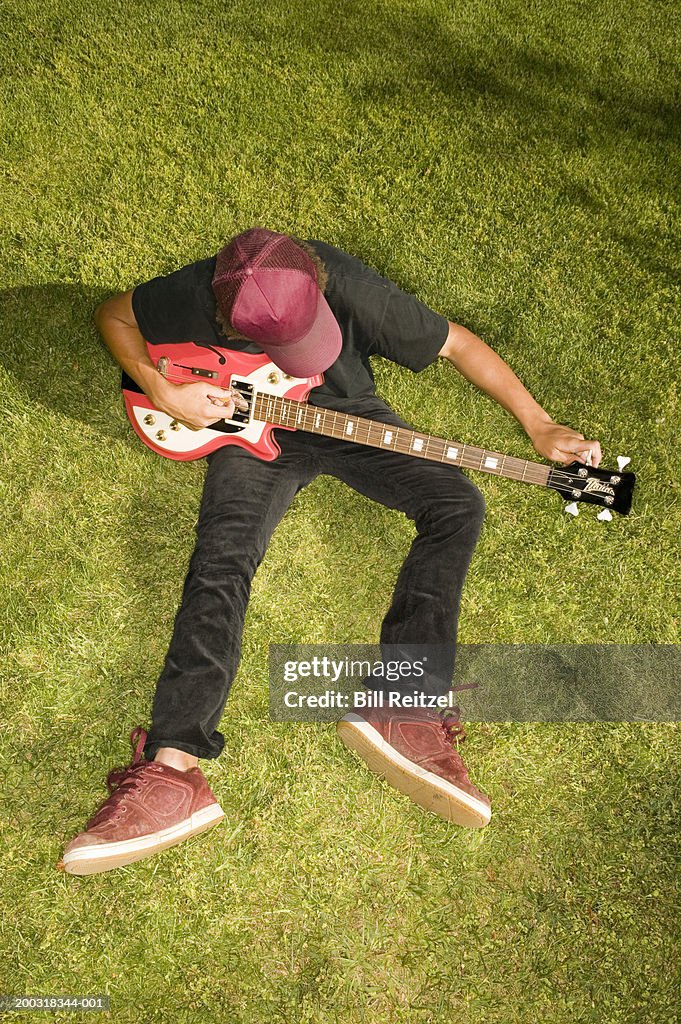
151 806
412 750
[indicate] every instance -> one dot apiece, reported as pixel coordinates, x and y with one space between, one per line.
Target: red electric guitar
276 400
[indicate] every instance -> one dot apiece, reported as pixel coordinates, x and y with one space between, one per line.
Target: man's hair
226 329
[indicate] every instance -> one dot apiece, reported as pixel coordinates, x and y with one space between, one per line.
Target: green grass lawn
516 166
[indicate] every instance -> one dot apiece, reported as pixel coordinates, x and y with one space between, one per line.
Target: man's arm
479 364
192 404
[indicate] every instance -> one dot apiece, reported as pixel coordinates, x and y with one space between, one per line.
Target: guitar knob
605 516
572 509
622 461
174 425
273 378
161 435
149 419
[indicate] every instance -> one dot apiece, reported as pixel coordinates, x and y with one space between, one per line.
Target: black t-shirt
374 315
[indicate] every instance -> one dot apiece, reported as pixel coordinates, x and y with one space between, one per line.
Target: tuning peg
622 461
605 516
589 457
572 509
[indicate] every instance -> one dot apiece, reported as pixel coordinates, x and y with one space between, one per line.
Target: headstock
611 489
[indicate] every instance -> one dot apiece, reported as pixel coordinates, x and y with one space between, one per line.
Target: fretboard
345 427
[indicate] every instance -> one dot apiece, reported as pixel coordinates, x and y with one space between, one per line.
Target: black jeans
243 500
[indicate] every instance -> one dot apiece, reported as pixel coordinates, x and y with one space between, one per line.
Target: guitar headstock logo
599 487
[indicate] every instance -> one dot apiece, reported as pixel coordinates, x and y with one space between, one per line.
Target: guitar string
542 474
470 462
528 465
405 447
467 462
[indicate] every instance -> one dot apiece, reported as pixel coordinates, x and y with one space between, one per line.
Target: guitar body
187 363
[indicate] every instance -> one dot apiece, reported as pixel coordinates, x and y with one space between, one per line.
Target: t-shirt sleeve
168 308
410 333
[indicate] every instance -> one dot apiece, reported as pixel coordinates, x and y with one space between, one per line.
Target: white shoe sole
88 860
426 789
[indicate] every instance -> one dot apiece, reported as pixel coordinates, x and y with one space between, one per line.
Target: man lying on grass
312 309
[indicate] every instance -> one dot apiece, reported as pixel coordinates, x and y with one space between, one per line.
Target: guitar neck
315 419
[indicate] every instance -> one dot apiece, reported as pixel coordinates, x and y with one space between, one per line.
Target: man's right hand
197 405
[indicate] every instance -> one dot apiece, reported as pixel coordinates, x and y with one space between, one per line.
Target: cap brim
313 353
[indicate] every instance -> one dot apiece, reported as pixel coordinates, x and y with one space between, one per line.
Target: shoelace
116 777
120 781
453 729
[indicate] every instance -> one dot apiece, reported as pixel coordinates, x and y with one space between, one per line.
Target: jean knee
460 511
475 503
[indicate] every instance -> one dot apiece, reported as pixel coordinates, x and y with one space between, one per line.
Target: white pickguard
183 439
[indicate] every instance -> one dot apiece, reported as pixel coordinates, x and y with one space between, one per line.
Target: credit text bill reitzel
369 699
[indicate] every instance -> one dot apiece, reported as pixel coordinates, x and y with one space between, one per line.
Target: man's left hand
564 445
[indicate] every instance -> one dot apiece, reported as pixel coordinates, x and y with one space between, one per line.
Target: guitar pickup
246 391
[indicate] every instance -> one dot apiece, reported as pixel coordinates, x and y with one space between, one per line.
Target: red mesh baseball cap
266 287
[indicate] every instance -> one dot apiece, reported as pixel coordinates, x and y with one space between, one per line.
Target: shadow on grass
516 106
51 349
50 346
546 95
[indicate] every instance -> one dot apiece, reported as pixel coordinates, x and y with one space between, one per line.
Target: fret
439 445
373 428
